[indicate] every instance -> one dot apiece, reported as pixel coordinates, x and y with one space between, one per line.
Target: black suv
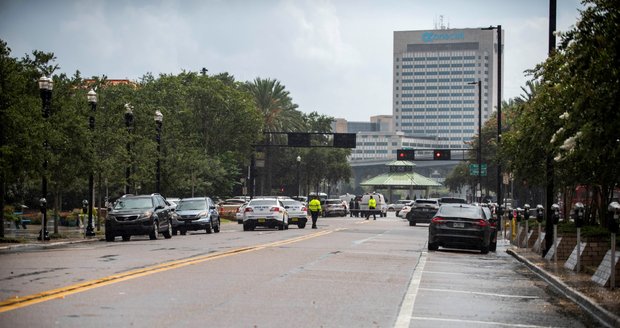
139 215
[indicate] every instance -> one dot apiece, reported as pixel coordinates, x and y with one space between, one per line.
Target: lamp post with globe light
46 85
92 100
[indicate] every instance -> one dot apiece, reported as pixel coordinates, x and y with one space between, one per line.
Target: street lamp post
129 125
159 118
92 100
46 85
298 162
479 83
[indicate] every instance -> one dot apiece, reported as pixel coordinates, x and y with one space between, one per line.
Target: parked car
459 226
265 212
398 205
493 221
139 215
405 210
229 207
197 213
239 213
422 211
297 212
334 207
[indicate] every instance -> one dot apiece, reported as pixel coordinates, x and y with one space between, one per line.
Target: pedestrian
315 208
357 207
372 205
351 207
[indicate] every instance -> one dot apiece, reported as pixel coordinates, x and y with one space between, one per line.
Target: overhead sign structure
345 140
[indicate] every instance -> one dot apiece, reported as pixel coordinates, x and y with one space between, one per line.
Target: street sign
473 170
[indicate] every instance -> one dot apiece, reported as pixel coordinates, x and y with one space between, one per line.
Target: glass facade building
432 72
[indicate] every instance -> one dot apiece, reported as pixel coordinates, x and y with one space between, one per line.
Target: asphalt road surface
348 273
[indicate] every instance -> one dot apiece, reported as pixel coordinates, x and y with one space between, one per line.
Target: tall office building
433 71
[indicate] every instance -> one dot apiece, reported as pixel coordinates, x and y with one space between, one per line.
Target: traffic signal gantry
408 154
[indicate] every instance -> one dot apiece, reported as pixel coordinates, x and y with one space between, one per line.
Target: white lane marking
406 309
477 293
492 323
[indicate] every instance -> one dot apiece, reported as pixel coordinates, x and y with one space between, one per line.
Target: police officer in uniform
372 205
315 208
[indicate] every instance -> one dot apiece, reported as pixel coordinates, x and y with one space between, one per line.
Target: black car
459 226
197 213
422 211
139 215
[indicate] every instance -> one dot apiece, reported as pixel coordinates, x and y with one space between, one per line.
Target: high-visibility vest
372 203
314 205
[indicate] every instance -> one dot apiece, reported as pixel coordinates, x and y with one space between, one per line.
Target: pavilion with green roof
401 176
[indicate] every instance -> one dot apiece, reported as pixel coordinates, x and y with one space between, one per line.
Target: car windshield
462 212
291 202
262 202
133 203
188 205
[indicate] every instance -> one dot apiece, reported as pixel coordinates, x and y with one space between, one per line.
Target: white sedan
265 212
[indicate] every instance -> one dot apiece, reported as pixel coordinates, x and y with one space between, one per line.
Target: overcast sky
333 56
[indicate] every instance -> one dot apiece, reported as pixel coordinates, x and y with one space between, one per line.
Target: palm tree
279 112
274 102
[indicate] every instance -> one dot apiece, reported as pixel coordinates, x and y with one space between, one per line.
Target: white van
381 204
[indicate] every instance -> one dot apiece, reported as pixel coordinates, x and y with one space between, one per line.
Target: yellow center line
19 302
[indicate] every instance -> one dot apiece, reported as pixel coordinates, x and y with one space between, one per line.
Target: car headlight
146 215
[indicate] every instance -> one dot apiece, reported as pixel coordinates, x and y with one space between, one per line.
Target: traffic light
405 154
344 140
298 139
441 154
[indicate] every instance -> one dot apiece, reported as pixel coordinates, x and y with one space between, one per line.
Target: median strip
23 301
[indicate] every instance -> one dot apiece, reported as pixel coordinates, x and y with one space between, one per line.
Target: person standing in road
315 208
351 207
357 207
372 205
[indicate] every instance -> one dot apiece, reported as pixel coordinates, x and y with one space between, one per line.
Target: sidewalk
28 237
601 302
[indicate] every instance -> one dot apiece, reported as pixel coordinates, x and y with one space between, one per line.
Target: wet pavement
601 302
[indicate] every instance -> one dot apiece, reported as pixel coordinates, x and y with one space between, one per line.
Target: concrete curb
602 315
47 244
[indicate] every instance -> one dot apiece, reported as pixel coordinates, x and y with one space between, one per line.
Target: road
348 273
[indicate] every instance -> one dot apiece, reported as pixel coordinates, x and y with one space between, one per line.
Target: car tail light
482 223
249 209
303 209
275 209
493 224
438 220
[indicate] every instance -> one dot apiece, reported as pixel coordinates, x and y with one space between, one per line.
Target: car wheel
484 249
168 232
126 237
216 228
109 237
246 226
183 232
175 231
301 225
154 231
209 227
281 225
493 246
432 247
412 223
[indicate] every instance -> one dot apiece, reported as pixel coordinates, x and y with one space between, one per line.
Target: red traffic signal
405 154
441 154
